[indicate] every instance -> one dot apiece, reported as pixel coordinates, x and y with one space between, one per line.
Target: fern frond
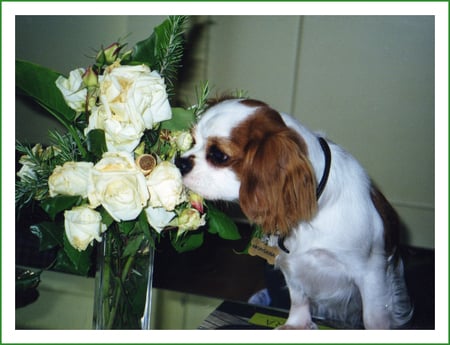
32 183
67 149
170 49
38 164
202 94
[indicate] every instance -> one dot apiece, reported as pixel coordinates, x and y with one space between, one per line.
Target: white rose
82 226
158 217
121 134
132 99
165 186
119 186
73 89
140 91
70 179
153 91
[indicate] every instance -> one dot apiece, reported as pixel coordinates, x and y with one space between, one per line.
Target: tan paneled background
366 81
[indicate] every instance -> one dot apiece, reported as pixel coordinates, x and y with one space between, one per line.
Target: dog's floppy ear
278 186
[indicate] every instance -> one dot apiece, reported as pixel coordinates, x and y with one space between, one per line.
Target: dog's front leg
299 314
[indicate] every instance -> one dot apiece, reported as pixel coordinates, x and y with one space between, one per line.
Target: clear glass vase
124 277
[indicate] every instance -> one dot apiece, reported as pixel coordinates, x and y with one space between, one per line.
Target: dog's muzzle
185 165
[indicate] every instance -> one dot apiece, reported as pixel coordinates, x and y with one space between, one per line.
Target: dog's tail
401 307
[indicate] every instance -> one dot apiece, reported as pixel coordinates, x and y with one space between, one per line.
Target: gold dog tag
261 249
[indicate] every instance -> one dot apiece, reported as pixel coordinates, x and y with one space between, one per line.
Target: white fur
337 267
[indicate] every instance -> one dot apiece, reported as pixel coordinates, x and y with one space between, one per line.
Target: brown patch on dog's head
278 186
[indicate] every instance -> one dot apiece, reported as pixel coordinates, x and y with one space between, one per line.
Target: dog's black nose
184 164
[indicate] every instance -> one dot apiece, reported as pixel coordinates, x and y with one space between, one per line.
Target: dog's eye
216 156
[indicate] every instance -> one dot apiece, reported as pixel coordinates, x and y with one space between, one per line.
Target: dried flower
146 163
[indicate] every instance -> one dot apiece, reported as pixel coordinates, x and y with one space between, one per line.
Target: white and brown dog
337 231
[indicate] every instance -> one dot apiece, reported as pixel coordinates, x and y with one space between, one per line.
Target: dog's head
244 152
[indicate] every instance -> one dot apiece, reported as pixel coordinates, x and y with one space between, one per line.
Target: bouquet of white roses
112 173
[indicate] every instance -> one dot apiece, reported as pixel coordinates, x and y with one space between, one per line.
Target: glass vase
124 277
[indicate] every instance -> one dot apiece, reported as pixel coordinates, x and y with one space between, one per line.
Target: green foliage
143 227
163 50
219 223
50 234
187 242
181 119
58 204
34 186
132 246
80 261
126 227
67 149
202 94
96 142
39 83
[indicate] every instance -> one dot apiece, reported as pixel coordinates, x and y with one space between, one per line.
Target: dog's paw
308 326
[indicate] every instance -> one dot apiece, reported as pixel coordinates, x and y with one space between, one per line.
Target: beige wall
368 82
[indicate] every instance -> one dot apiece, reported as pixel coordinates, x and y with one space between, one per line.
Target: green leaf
50 234
106 217
145 228
163 50
182 119
151 49
187 242
219 223
145 51
150 137
80 260
126 227
58 204
132 246
64 264
39 83
96 142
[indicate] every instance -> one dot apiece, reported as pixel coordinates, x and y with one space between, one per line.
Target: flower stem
118 291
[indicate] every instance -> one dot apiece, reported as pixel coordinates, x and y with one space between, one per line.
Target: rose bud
189 219
112 52
196 201
183 140
90 78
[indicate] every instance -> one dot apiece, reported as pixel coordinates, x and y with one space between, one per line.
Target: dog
337 234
